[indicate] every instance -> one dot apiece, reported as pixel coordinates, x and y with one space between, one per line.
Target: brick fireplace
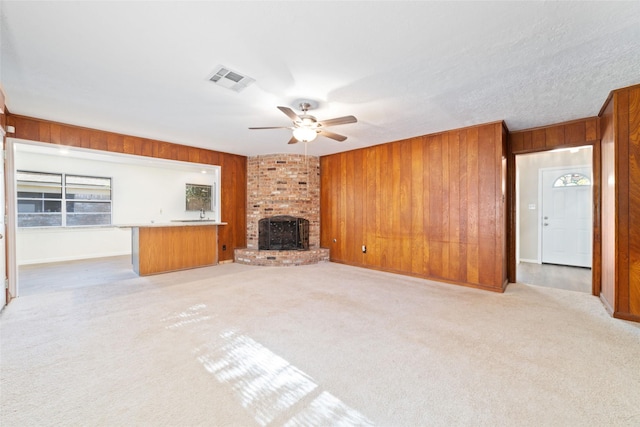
281 185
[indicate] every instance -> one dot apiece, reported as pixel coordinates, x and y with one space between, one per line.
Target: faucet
202 213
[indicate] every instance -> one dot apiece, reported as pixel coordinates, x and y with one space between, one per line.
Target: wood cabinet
158 249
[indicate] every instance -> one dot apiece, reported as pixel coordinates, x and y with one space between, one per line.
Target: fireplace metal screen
282 233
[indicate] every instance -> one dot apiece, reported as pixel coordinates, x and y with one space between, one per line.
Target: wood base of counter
163 249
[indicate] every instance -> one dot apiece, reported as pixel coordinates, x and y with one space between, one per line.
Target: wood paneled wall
620 119
431 206
568 134
3 116
630 102
233 167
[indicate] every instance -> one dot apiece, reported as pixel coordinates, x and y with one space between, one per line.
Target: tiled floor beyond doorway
555 276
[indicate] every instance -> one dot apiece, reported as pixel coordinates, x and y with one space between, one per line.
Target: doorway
143 190
554 213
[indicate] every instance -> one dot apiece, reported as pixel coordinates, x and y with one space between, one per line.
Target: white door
3 233
566 216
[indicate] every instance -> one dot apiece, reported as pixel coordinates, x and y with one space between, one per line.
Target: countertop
176 223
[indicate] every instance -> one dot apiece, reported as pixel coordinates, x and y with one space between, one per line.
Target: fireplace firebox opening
283 232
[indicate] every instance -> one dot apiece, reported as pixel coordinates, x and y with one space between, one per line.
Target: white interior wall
140 194
528 166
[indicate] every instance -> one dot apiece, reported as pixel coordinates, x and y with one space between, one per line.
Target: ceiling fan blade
273 127
332 135
338 121
290 113
293 140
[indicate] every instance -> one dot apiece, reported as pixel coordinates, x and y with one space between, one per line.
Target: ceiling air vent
225 77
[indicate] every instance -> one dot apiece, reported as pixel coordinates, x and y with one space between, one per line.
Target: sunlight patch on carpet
269 387
187 317
328 410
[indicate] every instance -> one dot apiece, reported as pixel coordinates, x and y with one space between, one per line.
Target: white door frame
517 197
3 226
540 187
11 227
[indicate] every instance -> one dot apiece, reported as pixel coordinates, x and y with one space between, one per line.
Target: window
88 200
59 200
39 199
198 197
572 180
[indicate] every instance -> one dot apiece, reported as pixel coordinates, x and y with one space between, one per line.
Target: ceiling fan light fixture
304 134
306 127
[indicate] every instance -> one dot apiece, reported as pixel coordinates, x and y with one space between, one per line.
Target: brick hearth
281 258
283 184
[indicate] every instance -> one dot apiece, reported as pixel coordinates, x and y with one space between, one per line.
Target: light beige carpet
321 345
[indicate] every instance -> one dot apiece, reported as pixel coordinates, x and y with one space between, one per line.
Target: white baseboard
530 261
73 258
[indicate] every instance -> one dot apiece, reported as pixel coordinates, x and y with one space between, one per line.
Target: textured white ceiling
402 68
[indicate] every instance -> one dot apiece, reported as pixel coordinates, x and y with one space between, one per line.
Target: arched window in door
572 180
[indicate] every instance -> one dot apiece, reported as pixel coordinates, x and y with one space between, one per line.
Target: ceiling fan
306 127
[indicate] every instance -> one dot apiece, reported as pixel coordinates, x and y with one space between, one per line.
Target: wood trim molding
626 316
511 216
34 129
618 314
560 135
596 263
499 289
3 113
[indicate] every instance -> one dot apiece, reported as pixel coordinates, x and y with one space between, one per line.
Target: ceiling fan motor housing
308 121
306 105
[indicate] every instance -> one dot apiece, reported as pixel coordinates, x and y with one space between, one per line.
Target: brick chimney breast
277 185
